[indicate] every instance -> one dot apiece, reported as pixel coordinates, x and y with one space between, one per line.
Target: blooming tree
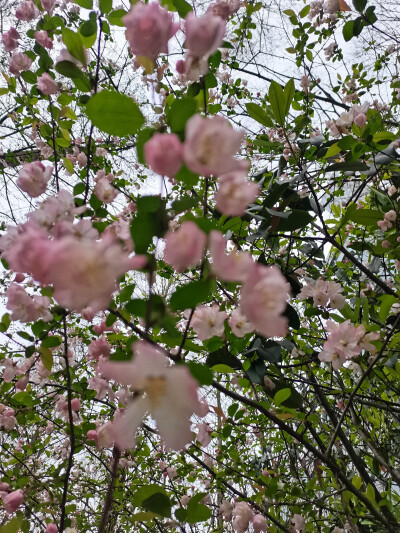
200 268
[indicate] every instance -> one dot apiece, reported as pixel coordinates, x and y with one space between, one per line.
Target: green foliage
114 113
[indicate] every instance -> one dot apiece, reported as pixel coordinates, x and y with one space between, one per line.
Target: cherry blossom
259 524
43 38
169 393
26 10
239 324
19 62
242 516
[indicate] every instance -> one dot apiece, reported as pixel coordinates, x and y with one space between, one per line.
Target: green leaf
387 300
89 27
359 5
348 30
180 112
114 18
86 4
257 113
47 357
74 44
105 6
52 341
69 70
150 221
202 373
190 295
24 398
370 15
365 217
297 219
281 396
281 99
347 167
292 316
196 511
5 322
13 526
182 7
114 113
153 498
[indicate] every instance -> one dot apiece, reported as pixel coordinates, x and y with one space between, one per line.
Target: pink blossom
43 39
84 273
101 387
164 153
104 191
228 267
99 348
210 145
203 435
360 120
33 178
208 322
25 308
10 39
26 11
323 292
344 342
185 247
75 404
46 84
235 193
170 396
19 62
48 5
225 509
51 528
204 34
224 8
259 524
298 522
263 300
13 500
239 324
148 29
242 516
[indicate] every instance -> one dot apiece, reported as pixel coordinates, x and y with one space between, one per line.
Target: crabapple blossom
33 178
239 324
235 193
149 27
208 321
99 348
164 153
263 300
323 292
299 523
203 435
170 396
259 524
46 84
228 267
203 34
242 516
185 247
360 120
75 404
19 62
10 39
104 191
51 528
26 11
210 145
48 5
26 308
13 500
43 38
225 509
344 342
